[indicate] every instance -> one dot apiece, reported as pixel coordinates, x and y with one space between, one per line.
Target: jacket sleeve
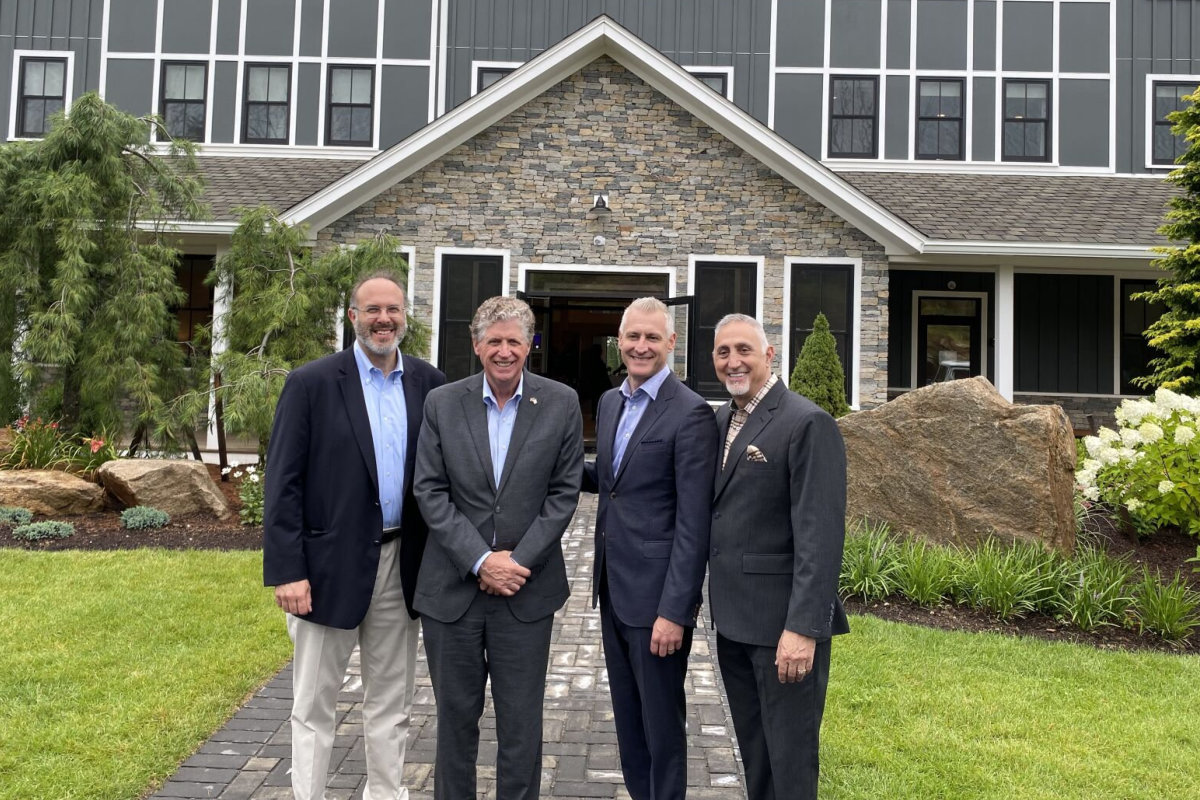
283 501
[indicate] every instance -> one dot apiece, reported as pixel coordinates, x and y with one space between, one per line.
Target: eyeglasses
375 311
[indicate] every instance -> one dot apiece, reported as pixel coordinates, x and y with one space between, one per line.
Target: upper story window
1168 97
267 114
351 114
717 79
853 117
940 118
42 93
184 101
1026 120
486 73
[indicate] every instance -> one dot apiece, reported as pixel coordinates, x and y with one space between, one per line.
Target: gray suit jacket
778 525
528 513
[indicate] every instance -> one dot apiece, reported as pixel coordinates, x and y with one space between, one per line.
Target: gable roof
599 38
280 183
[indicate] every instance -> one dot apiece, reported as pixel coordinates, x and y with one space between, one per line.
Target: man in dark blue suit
656 444
343 537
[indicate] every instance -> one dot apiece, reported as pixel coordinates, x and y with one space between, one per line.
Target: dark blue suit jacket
322 520
653 520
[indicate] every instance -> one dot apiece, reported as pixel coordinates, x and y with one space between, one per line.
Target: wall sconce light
600 203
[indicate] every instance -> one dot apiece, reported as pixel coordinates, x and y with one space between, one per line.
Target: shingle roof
232 181
1068 209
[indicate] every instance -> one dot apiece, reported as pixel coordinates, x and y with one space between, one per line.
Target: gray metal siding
308 105
1084 123
228 26
130 81
137 23
1028 37
270 27
801 35
941 34
896 117
353 29
223 105
406 26
983 119
186 26
311 16
403 103
798 111
1084 28
854 31
984 34
899 33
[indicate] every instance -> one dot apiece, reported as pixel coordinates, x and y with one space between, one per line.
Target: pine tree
1176 334
818 374
87 273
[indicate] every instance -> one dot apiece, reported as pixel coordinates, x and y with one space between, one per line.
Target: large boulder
176 487
956 462
49 492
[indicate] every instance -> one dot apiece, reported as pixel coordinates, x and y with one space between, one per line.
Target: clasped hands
500 575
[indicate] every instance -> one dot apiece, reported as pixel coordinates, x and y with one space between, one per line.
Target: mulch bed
1166 551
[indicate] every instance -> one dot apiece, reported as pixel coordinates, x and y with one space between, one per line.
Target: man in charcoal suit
778 526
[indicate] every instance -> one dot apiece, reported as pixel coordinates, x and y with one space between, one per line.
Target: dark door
949 339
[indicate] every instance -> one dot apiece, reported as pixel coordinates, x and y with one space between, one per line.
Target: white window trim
160 111
855 366
68 84
436 303
375 96
478 66
726 71
913 332
1148 140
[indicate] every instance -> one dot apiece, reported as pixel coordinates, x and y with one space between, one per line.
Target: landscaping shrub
868 562
48 529
1097 589
13 515
818 374
1168 609
1008 581
1150 465
38 444
924 573
250 491
140 518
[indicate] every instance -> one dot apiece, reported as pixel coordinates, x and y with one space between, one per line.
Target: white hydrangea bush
1150 465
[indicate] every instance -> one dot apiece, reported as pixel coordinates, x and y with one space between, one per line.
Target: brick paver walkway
249 758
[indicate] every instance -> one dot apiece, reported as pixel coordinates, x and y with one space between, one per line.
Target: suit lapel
412 410
475 413
606 431
527 414
759 419
356 410
653 411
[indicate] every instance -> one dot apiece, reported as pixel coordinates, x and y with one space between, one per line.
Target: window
43 93
1026 120
1168 97
940 118
719 80
722 287
1136 317
853 114
183 100
197 308
486 76
351 91
823 289
467 280
268 104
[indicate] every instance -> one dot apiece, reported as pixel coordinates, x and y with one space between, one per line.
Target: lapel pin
533 400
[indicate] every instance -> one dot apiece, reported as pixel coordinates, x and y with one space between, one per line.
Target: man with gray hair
499 463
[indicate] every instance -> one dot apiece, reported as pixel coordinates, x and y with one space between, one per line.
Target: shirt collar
488 397
754 401
366 368
650 387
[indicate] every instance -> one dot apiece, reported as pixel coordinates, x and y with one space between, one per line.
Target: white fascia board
218 227
604 37
1050 249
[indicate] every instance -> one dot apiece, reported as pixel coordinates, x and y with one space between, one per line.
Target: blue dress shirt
388 415
635 406
500 423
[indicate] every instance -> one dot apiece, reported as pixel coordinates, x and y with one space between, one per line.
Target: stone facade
1079 408
676 187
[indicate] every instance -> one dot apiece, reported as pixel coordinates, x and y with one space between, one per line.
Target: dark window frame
331 104
746 289
704 75
1157 122
835 118
500 74
941 118
1047 122
799 329
247 102
1127 287
164 101
452 329
23 98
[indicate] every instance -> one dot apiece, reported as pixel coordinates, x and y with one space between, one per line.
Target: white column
222 294
1005 345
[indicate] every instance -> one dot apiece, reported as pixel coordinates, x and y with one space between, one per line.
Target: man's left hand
666 637
794 656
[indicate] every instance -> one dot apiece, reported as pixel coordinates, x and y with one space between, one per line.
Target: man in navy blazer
343 537
656 444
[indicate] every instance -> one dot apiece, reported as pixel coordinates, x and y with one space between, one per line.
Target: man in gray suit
778 526
499 462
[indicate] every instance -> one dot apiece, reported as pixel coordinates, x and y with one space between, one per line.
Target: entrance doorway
948 337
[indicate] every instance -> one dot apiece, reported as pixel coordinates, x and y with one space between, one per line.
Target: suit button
378 541
612 495
716 515
496 509
716 551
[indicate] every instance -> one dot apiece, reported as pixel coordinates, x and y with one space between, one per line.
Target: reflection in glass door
949 334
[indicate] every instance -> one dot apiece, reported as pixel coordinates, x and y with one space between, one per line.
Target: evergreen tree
87 275
818 374
1176 334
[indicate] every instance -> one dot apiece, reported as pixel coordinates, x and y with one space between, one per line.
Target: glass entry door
949 339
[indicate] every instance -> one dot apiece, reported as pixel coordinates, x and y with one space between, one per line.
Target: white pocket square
754 454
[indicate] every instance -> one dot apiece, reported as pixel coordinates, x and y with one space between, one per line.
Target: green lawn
115 666
924 714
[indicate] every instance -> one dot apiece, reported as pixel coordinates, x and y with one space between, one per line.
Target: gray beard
381 350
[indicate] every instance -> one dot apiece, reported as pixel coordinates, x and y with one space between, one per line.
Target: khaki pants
387 640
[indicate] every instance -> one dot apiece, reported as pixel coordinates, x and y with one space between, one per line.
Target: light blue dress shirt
635 406
388 415
500 422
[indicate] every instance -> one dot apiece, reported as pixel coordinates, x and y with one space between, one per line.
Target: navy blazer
322 521
652 523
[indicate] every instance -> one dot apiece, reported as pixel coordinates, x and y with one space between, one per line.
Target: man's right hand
294 598
499 574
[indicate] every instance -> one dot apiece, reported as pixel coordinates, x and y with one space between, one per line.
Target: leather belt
390 533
